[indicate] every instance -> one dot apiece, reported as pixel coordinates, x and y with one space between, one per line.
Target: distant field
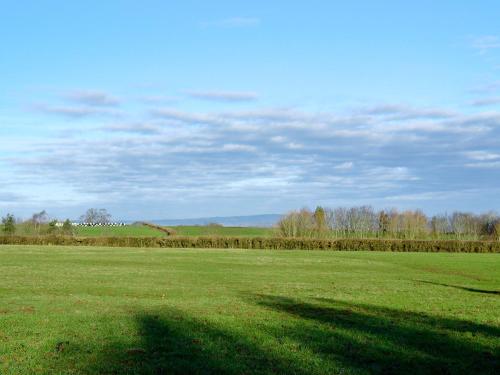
208 230
126 231
138 230
80 310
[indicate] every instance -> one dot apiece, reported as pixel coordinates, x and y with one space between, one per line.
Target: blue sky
158 109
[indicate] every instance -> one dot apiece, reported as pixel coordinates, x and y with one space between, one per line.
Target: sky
156 109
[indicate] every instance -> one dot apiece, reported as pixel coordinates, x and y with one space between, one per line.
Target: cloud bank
171 160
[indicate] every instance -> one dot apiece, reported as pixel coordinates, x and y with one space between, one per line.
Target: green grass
212 230
125 231
145 231
143 311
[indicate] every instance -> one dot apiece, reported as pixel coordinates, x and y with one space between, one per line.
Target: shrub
497 230
9 224
67 228
52 227
267 243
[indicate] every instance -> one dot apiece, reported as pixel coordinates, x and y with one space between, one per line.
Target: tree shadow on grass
172 342
381 340
468 289
296 337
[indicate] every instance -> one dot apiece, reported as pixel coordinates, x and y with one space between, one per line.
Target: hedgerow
263 243
167 231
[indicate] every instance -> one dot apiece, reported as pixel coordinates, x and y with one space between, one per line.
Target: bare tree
297 224
96 216
440 224
364 221
497 230
38 219
339 221
465 225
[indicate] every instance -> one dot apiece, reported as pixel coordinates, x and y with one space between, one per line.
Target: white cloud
143 128
76 112
485 43
486 101
484 165
226 96
295 146
92 98
486 88
171 155
403 112
238 147
186 117
482 155
345 166
278 139
426 196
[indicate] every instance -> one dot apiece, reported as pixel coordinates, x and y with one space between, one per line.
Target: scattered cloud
426 196
485 43
278 139
238 147
225 96
482 165
170 155
74 111
8 197
344 166
143 128
185 117
83 104
486 101
402 112
92 98
482 155
486 88
295 146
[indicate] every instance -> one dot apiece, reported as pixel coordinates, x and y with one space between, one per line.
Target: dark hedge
263 243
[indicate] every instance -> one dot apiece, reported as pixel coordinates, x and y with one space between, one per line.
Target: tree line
366 222
40 223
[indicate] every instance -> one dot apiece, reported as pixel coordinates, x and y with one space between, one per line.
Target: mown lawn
138 311
212 230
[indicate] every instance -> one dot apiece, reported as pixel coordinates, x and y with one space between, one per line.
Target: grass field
139 230
192 230
141 311
212 230
125 231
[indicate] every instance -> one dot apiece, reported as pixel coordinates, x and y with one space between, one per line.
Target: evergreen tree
67 228
9 224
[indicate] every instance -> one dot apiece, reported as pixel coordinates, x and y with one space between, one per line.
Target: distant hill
267 220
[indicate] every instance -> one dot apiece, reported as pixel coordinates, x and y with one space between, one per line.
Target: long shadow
381 340
173 342
304 338
468 289
450 325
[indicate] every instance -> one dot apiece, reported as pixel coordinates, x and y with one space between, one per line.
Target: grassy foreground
142 311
